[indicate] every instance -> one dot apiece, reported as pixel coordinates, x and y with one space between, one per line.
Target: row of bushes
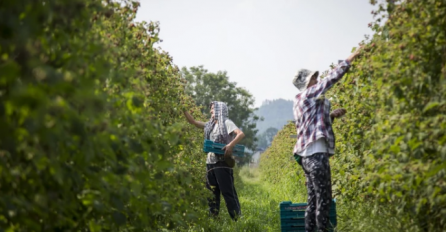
91 127
391 146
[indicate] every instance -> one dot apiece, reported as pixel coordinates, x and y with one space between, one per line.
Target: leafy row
391 146
91 124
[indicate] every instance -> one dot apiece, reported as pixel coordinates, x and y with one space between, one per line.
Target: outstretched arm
354 55
333 76
192 121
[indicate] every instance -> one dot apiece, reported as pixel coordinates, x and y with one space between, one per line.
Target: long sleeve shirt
312 111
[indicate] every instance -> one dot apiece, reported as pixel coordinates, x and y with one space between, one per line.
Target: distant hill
276 114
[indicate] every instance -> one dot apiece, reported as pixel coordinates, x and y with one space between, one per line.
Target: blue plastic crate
293 229
296 229
289 206
210 146
300 214
292 216
292 223
300 222
299 225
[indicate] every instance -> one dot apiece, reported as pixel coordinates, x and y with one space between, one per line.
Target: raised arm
333 76
353 55
192 121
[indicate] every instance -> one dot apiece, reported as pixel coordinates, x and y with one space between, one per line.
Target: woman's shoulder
229 122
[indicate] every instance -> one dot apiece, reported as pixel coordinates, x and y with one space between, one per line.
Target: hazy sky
260 43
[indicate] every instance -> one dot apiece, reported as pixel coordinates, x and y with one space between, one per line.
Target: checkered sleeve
325 84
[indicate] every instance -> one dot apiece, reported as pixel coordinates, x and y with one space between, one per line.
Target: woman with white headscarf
220 176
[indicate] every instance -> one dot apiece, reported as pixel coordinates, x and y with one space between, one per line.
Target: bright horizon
259 43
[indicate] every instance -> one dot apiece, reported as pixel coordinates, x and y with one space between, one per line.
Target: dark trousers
220 179
318 177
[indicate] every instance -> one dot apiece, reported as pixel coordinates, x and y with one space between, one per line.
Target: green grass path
259 203
260 198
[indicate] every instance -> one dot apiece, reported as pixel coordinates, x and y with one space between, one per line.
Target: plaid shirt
312 111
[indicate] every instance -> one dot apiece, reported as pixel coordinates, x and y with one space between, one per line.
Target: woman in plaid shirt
316 140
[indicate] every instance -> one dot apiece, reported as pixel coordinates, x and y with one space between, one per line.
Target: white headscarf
221 115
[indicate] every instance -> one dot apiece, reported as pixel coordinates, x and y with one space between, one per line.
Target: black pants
318 177
220 179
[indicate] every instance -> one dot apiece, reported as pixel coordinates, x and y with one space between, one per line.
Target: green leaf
119 218
431 106
94 227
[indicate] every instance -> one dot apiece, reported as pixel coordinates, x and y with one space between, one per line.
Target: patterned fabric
302 78
318 177
312 111
221 114
230 127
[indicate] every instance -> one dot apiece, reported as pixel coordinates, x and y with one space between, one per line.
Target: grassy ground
260 207
259 202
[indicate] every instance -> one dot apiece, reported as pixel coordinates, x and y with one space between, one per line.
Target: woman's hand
228 150
192 121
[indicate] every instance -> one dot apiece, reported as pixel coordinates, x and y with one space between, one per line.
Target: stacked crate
216 148
292 216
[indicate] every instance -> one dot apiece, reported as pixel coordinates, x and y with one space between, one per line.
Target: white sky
260 43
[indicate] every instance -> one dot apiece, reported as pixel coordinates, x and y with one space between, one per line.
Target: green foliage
91 129
279 168
259 202
92 135
205 87
389 170
393 141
